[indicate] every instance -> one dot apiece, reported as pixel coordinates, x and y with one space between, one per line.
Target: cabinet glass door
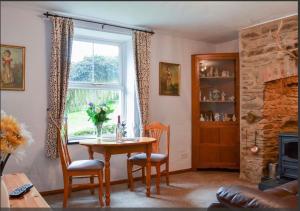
217 90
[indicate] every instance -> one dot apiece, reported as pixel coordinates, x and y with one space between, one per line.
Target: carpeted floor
191 189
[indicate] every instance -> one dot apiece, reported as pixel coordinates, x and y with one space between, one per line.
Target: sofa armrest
245 197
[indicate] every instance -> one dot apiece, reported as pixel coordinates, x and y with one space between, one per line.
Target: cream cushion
80 165
155 157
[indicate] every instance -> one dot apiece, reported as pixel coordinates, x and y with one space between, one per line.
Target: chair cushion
86 165
155 157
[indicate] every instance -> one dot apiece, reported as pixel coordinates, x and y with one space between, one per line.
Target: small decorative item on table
99 114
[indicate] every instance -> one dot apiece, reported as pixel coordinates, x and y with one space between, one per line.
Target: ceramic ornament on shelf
216 95
216 72
224 73
210 97
217 117
202 118
223 95
233 118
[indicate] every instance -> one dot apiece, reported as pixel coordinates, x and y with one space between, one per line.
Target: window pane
76 105
82 62
106 61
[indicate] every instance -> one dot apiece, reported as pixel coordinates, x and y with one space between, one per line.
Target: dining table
110 146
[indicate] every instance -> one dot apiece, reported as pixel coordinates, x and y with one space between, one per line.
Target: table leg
91 157
148 170
107 178
91 153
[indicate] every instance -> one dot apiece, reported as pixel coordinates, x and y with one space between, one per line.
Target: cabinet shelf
218 123
217 101
217 78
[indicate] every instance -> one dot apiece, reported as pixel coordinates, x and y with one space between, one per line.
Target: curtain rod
47 14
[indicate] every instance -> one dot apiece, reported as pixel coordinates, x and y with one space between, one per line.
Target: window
96 75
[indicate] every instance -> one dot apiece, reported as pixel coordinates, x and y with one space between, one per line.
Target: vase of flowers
98 114
14 138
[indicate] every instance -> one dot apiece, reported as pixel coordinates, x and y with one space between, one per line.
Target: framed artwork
12 68
169 79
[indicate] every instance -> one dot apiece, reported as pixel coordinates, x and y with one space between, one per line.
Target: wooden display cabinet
215 111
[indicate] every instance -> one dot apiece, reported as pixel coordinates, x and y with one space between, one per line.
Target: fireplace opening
291 150
288 156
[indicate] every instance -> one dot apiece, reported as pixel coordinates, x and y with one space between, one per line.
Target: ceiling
214 21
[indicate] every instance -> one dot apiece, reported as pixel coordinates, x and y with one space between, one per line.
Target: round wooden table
108 147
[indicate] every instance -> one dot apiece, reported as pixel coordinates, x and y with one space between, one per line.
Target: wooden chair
155 130
77 169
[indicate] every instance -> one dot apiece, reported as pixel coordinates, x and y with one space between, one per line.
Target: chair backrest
62 140
156 130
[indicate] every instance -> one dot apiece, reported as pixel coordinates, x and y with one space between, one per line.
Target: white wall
27 28
175 110
228 47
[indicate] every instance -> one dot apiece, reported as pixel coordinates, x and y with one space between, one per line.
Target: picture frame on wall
12 67
169 79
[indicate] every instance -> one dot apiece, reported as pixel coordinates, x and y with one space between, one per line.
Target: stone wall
259 62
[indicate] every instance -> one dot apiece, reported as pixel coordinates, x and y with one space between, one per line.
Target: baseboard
116 182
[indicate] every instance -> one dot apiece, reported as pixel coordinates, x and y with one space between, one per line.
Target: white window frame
104 86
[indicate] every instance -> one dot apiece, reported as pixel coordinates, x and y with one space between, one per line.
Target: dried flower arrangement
14 138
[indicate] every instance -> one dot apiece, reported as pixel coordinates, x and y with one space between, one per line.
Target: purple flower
91 104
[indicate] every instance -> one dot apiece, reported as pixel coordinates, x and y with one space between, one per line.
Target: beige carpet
191 189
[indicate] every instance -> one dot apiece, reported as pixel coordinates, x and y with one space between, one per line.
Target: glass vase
99 128
4 195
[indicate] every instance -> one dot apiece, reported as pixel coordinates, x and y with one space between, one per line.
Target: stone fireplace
269 103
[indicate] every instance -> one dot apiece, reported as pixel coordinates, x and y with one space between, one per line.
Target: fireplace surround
273 102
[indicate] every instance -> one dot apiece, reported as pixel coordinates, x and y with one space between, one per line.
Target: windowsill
75 140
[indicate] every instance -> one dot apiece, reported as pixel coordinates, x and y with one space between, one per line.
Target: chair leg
167 173
70 185
130 166
92 182
143 175
157 178
66 191
128 173
100 179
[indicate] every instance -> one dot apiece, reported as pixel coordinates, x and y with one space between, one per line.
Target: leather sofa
283 196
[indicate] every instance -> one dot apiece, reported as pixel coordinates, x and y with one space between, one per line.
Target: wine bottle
119 130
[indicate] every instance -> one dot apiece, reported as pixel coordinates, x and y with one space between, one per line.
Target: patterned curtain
142 42
62 37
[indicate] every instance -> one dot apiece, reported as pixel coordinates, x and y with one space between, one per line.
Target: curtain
141 43
62 37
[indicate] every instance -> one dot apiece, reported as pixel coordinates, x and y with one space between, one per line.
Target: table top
31 199
113 142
